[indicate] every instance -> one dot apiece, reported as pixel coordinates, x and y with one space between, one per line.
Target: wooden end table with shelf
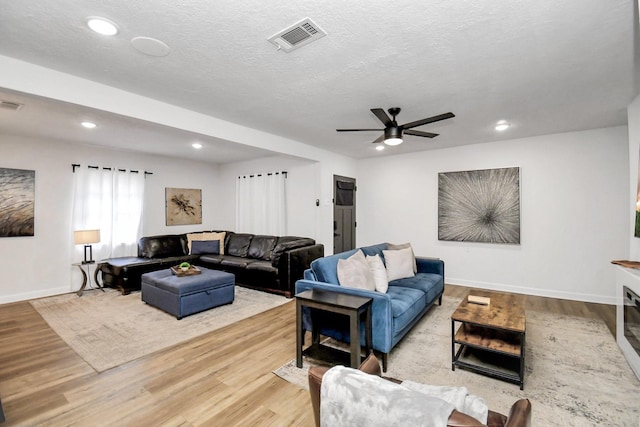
334 302
491 338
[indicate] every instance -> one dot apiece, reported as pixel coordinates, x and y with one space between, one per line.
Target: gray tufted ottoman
182 296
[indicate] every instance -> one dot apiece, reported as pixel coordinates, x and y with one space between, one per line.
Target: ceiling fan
393 132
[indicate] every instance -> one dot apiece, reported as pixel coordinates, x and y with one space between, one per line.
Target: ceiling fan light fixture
393 136
393 132
393 141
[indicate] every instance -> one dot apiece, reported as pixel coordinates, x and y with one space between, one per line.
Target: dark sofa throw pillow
210 247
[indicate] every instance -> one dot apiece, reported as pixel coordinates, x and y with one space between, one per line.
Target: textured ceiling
544 66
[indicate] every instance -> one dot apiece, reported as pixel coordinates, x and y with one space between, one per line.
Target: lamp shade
84 237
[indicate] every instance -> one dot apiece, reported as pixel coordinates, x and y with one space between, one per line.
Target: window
110 201
261 203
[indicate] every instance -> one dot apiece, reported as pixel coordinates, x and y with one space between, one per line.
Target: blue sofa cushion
422 281
375 249
199 247
406 305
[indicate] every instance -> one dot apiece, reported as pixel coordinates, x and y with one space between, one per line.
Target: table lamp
86 237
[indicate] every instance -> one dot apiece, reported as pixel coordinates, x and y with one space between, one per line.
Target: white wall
44 260
307 182
574 206
634 178
300 191
49 254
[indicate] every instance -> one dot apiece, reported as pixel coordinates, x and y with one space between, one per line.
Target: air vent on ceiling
8 105
299 34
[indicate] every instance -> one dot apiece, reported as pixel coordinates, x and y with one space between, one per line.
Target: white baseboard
34 294
552 293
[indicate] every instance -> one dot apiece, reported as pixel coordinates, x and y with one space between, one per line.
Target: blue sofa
394 313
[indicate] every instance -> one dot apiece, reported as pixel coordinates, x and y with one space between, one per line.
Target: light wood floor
220 379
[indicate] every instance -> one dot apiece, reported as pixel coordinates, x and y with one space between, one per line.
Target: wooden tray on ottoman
190 272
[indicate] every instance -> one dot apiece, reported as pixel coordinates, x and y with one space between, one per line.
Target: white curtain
110 201
261 204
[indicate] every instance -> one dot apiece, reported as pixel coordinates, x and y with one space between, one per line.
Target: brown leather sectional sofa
267 263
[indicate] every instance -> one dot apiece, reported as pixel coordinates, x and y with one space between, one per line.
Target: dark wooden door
344 213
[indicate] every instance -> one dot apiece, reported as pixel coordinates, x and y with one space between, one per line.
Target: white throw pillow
379 273
399 263
392 247
354 272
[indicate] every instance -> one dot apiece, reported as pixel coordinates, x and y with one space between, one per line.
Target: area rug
575 373
108 329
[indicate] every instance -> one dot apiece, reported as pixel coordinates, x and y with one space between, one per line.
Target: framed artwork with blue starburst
479 206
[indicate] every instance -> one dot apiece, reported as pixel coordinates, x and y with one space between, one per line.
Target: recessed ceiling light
88 125
196 145
102 26
502 125
151 47
379 147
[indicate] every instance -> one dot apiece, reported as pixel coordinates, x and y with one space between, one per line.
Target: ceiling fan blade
359 130
428 120
382 116
378 139
420 133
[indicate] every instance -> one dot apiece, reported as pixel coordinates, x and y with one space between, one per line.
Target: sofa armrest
430 265
315 375
519 414
294 262
287 243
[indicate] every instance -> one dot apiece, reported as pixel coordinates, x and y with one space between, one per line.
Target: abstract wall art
17 202
183 206
479 206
